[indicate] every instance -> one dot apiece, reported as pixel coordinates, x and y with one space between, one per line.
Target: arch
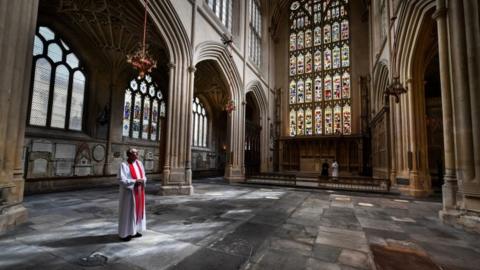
412 16
380 83
216 52
258 92
171 29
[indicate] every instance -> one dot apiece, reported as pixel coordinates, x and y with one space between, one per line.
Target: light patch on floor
402 201
365 204
403 219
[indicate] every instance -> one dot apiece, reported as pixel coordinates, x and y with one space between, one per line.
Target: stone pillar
449 189
17 23
177 174
235 170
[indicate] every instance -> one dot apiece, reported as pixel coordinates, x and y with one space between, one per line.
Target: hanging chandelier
141 59
395 88
230 106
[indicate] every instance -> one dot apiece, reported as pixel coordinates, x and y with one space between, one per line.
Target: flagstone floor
239 227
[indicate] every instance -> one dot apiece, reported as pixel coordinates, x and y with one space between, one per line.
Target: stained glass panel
137 116
127 109
308 63
293 122
346 85
308 91
327 86
293 92
308 122
319 81
337 119
146 119
318 89
300 122
347 120
337 92
318 120
328 120
153 128
300 91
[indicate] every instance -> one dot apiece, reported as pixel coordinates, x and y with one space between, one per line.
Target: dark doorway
252 136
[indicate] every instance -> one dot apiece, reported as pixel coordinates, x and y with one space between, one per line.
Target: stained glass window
58 88
142 116
319 68
200 124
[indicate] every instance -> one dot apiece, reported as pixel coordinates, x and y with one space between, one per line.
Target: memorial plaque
42 146
40 166
149 155
83 170
63 168
98 152
149 165
65 151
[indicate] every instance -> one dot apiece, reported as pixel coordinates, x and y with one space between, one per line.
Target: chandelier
395 88
141 59
230 106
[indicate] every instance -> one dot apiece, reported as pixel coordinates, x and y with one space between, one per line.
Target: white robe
335 169
127 217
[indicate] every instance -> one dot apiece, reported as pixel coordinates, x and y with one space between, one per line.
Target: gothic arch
258 92
216 52
380 82
412 16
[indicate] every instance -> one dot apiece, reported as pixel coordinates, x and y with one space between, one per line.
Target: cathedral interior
275 134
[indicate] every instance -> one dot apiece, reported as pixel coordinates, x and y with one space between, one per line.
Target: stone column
235 170
461 98
449 188
17 23
472 50
177 176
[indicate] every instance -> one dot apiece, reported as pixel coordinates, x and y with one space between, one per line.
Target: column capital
440 13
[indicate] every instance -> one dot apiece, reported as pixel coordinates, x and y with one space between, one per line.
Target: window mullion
69 100
50 94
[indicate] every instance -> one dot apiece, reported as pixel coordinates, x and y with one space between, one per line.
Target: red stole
138 191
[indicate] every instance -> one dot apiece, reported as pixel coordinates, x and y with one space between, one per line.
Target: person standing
335 168
131 178
324 169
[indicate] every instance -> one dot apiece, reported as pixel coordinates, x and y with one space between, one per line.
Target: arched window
223 10
143 110
255 32
200 124
319 53
59 84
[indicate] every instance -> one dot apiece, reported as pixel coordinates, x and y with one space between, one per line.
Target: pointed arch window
200 124
319 43
223 11
59 83
144 109
255 32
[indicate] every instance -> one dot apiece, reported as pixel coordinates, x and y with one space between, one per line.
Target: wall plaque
64 168
65 151
40 166
83 170
98 152
42 146
149 165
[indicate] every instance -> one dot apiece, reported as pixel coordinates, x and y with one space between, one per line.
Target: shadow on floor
83 241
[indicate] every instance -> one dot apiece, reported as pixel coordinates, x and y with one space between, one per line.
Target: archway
235 128
253 130
210 138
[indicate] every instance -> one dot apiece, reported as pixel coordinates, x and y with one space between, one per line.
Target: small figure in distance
335 169
324 168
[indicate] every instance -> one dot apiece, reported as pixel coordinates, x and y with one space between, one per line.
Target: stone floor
239 227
